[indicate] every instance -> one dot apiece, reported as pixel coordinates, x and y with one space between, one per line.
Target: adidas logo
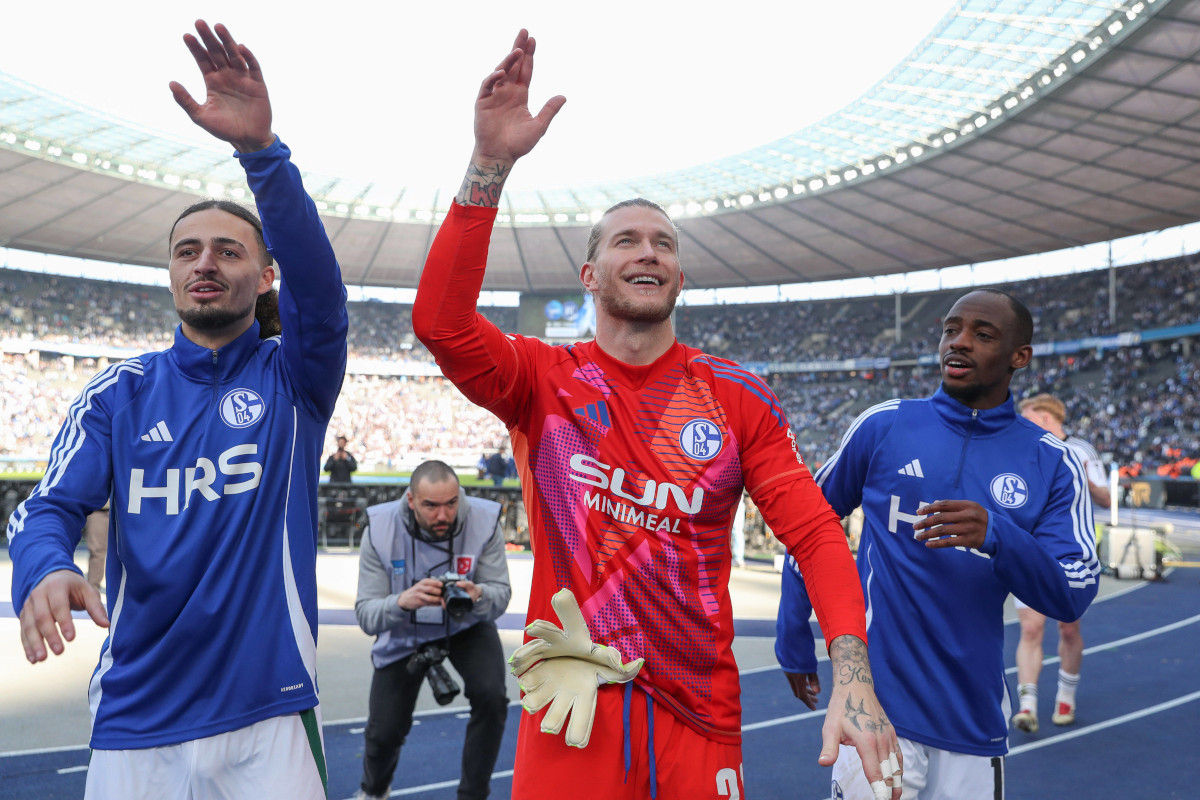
912 468
158 433
596 412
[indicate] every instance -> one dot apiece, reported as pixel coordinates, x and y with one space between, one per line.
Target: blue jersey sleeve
795 644
312 298
843 476
1052 568
46 527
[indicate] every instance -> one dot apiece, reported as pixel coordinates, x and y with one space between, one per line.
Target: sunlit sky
370 86
367 86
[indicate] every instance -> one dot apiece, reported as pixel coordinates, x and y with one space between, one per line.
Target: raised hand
237 109
505 129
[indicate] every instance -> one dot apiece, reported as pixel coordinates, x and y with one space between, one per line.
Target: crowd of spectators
1136 404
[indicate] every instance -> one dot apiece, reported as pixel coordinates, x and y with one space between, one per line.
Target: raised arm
312 299
471 351
505 130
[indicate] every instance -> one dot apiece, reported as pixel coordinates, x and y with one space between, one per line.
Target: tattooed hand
504 128
856 718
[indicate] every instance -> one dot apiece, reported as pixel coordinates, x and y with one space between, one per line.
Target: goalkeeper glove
562 668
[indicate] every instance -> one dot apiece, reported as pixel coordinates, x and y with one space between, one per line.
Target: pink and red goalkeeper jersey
631 476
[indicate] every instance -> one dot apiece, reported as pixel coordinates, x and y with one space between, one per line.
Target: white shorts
278 757
929 774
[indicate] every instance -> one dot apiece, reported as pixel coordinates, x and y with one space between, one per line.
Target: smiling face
634 274
217 271
980 350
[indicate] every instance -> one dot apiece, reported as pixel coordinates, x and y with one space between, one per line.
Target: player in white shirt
1049 412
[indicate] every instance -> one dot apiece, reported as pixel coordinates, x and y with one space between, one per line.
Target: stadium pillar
1112 288
898 316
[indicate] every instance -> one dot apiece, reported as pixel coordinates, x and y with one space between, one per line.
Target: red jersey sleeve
791 502
484 363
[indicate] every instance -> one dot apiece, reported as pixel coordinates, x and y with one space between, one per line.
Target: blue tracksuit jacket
935 623
211 459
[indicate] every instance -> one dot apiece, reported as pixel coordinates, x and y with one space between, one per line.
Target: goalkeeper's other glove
562 668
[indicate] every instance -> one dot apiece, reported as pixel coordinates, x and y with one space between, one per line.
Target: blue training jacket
211 460
935 618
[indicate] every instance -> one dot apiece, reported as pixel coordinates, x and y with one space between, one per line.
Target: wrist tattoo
481 187
849 656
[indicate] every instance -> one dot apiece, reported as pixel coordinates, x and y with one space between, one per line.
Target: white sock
1027 695
1067 684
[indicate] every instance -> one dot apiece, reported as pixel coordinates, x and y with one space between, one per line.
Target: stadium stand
1137 401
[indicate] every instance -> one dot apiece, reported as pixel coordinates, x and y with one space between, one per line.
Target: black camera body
458 600
430 656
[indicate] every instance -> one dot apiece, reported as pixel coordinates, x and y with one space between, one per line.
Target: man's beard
964 394
623 308
212 318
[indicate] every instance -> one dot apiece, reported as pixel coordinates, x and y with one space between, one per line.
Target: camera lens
458 601
443 686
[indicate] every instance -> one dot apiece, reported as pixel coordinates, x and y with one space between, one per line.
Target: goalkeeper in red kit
633 451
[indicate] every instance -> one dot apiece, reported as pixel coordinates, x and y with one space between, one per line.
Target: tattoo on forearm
849 656
481 187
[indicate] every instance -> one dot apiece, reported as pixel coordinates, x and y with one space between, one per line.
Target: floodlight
342 208
710 205
171 180
780 193
362 210
79 158
746 199
31 144
693 208
125 169
674 210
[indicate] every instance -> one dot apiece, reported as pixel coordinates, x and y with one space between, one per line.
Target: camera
458 601
429 657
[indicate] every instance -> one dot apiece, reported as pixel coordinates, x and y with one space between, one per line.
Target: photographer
341 463
411 553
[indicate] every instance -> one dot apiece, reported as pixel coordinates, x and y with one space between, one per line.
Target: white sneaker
361 795
1026 721
1064 714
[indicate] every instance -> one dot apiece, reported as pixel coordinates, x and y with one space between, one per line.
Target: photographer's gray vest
412 559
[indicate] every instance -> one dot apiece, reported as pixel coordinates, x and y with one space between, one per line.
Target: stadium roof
1014 128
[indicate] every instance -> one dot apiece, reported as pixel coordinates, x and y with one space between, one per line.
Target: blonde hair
1045 402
